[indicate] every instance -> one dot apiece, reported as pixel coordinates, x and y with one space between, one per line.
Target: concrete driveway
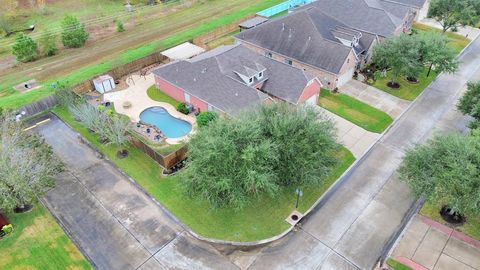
374 97
114 223
355 138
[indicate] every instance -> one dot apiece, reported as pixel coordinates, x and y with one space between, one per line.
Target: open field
77 65
38 242
408 90
264 218
355 111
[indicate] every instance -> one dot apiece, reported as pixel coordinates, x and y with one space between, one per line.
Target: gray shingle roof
307 35
253 22
412 3
212 77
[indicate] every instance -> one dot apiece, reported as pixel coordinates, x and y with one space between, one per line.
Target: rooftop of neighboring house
311 36
227 77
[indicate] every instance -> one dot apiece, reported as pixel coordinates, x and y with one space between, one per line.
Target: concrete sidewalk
427 244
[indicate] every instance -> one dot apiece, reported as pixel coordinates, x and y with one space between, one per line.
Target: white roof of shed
102 78
183 51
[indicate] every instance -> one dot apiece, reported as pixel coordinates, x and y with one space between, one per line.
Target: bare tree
27 166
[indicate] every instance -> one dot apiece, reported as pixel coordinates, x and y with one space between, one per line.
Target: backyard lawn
160 96
264 218
410 91
355 111
38 242
471 227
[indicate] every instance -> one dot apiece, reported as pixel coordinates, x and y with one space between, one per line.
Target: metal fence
269 12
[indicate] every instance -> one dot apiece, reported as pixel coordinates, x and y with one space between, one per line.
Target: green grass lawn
407 90
355 111
471 227
410 91
159 95
38 242
264 218
11 99
396 265
456 41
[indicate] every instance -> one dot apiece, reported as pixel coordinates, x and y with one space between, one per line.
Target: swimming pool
170 126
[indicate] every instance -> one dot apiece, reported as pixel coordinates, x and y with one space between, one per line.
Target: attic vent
204 70
290 33
236 94
194 79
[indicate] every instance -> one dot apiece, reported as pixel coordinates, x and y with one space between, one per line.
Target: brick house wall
178 94
328 79
312 89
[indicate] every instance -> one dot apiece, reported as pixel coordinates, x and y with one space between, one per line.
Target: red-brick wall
178 93
310 90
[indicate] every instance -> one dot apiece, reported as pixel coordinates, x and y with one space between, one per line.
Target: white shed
104 83
183 51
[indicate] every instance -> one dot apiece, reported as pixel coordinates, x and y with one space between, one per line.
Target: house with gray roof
330 38
232 78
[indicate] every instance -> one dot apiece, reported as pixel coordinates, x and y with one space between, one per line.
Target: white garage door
312 100
345 77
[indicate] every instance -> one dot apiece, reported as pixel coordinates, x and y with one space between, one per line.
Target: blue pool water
170 126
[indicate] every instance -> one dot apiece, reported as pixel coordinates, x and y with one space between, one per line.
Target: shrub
48 41
74 34
25 48
182 107
7 228
120 27
204 118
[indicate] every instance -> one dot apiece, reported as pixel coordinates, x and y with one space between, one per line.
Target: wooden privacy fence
219 32
123 70
39 106
167 161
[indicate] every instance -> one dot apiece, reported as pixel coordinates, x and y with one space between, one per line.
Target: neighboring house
229 79
330 38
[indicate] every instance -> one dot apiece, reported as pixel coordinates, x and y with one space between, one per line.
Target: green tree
25 48
74 34
446 170
452 14
48 42
401 54
258 152
469 104
204 118
434 51
27 165
120 27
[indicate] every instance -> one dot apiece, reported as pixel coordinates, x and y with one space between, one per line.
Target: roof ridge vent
290 33
194 79
204 70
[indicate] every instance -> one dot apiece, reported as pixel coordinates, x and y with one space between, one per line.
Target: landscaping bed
355 111
263 218
38 242
159 95
471 227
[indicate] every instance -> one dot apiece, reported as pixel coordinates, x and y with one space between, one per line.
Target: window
288 62
260 75
250 80
268 54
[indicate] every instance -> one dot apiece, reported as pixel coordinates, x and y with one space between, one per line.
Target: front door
187 97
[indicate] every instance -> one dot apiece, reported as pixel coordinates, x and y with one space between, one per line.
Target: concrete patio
136 94
374 97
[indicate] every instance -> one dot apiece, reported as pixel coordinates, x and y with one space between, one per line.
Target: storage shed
104 83
251 23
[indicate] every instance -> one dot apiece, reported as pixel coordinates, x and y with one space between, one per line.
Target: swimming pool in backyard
171 127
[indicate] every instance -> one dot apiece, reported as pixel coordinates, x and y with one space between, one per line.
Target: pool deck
136 94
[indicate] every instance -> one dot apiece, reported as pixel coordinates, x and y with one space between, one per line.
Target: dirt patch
41 225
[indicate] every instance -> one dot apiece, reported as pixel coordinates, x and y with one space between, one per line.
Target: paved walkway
427 244
376 98
355 138
115 224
